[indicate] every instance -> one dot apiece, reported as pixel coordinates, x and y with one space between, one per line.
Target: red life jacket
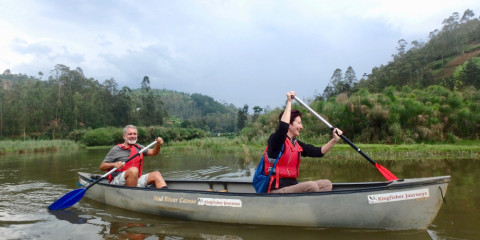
135 162
288 164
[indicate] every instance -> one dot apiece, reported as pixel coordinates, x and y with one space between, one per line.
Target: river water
29 183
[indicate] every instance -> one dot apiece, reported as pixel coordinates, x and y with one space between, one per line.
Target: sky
238 52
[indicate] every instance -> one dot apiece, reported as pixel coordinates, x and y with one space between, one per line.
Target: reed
387 152
35 146
379 152
253 149
234 146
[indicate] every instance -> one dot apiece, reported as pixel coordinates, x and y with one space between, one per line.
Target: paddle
387 174
74 196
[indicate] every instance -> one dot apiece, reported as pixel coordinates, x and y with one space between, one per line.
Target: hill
431 63
199 110
69 101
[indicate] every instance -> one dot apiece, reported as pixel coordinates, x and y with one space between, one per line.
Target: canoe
394 205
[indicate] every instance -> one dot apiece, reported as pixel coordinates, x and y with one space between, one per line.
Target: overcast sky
240 52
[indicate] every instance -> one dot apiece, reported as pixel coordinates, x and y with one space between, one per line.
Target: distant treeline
69 102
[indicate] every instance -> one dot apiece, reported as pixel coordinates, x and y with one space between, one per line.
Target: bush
102 137
76 135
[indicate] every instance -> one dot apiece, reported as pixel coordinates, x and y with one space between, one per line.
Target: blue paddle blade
68 199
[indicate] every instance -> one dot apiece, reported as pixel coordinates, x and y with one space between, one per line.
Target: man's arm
156 149
112 160
106 166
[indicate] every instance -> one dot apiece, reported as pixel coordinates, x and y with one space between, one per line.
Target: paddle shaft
115 169
331 127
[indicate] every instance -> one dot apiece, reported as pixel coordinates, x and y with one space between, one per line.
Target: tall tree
122 108
256 112
337 79
148 108
349 80
467 16
242 117
328 92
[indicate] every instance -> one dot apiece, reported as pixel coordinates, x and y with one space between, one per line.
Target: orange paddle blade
387 174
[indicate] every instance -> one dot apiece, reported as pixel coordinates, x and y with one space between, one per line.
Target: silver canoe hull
397 205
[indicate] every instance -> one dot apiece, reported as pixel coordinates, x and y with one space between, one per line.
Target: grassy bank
32 146
239 146
408 151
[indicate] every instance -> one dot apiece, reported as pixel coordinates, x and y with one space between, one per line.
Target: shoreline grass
37 146
240 146
237 146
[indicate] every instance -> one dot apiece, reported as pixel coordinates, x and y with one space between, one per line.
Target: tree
336 79
340 84
122 108
148 105
111 86
335 85
256 112
472 72
349 80
402 44
451 22
467 16
328 92
242 117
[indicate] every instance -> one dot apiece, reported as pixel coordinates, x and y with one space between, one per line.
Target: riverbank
237 147
34 146
342 152
241 147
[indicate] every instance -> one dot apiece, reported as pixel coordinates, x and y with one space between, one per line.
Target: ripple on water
24 214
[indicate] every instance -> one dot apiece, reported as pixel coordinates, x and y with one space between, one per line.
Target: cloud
240 52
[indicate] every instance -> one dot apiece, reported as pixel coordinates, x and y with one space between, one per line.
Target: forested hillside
449 58
434 62
200 111
428 93
70 102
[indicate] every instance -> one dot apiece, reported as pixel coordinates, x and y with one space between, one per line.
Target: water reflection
31 182
69 216
127 230
130 225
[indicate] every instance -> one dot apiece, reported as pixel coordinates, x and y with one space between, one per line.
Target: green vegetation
434 62
237 146
109 136
434 114
32 146
69 104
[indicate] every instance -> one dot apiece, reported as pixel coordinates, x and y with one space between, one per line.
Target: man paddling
130 173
